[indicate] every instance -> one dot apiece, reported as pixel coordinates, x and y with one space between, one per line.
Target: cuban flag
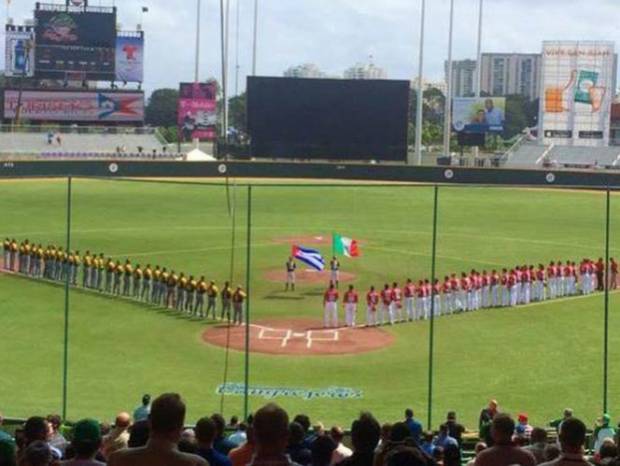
311 257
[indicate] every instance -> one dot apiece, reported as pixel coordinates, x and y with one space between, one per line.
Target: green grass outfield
539 359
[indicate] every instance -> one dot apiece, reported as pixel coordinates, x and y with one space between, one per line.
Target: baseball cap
87 430
523 417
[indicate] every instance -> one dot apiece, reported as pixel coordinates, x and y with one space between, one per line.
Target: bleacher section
27 142
526 156
533 155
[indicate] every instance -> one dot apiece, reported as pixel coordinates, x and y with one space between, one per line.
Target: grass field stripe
420 254
185 251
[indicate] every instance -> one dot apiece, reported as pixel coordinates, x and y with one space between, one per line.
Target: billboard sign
75 44
19 53
479 114
75 106
197 111
130 58
579 80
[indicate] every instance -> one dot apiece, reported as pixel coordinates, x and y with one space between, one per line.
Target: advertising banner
578 89
75 106
479 114
130 59
197 111
73 44
19 53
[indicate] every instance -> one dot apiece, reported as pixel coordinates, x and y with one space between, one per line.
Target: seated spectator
406 456
271 432
7 452
205 435
523 428
37 429
85 444
187 445
138 434
602 431
414 425
455 430
480 446
240 436
399 433
56 440
221 443
568 413
304 421
365 432
606 454
233 423
296 449
141 413
552 451
318 430
38 453
341 451
386 430
504 452
427 445
118 437
322 451
452 455
538 442
572 440
166 424
438 455
242 456
444 439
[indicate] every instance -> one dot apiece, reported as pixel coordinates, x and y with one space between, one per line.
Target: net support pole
248 257
606 324
65 358
431 328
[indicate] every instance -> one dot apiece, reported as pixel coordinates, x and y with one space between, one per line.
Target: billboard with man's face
578 89
479 114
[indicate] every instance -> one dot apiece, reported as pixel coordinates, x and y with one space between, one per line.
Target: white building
307 70
511 73
361 71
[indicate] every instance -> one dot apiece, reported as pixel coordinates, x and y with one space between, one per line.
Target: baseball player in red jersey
372 302
446 292
505 288
518 278
486 287
386 302
495 288
599 269
559 279
409 292
454 286
397 304
427 298
613 276
551 281
513 281
350 300
330 303
436 293
477 281
568 279
419 303
527 284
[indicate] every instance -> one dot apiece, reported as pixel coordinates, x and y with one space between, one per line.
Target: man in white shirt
342 451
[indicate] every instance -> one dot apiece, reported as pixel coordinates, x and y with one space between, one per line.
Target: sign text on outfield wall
270 393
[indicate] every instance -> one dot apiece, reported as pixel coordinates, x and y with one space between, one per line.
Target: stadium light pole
606 323
224 51
447 130
65 359
197 58
431 328
237 13
419 110
478 75
255 39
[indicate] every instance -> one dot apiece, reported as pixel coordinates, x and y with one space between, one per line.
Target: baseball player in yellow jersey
146 283
110 267
173 279
88 262
100 272
190 292
226 297
27 251
119 271
20 261
75 266
238 298
47 261
201 290
94 271
60 257
156 285
181 291
212 292
6 249
127 278
138 274
13 255
163 288
35 261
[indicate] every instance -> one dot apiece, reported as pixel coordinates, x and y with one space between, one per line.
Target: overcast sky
335 34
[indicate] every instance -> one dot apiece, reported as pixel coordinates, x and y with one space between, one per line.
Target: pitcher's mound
299 336
307 276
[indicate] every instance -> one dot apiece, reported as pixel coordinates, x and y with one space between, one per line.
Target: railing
512 149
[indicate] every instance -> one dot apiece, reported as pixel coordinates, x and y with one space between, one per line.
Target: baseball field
538 358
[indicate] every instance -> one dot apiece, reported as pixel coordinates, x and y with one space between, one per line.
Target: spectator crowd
156 435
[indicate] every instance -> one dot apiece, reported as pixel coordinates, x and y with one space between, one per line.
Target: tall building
361 71
511 73
307 70
426 85
463 73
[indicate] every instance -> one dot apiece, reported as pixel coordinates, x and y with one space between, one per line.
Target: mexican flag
345 246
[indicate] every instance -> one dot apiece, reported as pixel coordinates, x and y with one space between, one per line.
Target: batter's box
328 336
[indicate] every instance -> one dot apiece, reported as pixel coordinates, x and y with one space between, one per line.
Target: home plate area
298 336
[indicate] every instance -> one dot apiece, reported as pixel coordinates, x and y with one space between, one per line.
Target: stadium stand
527 155
534 155
87 141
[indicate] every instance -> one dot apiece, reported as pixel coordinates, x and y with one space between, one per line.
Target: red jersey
446 287
494 279
486 280
331 296
421 291
512 280
396 295
454 283
551 271
567 271
372 298
386 296
436 289
465 284
351 297
614 267
540 275
409 290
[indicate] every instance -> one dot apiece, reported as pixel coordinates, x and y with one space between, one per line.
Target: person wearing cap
119 436
602 431
523 428
238 298
141 413
455 430
85 444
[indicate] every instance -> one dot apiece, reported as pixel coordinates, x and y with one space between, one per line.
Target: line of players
470 292
156 286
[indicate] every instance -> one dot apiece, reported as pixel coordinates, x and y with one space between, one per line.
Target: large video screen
479 115
197 111
328 118
75 44
579 83
92 106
